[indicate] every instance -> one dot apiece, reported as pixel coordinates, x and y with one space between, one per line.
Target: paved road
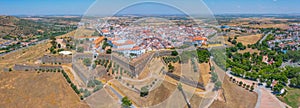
116 93
289 63
266 35
258 91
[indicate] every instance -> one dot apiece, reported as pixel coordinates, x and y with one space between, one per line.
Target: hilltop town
158 61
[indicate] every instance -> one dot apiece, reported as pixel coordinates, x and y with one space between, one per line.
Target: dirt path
269 100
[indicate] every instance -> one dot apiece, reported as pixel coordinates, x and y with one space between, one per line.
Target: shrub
174 53
81 90
86 93
247 87
81 97
87 62
144 91
74 87
126 103
98 87
218 85
214 77
240 83
251 88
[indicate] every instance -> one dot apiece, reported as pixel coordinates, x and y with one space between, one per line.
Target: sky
80 7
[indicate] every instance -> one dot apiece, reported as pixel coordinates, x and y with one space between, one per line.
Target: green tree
203 55
80 49
59 45
179 86
240 83
244 85
247 87
251 88
269 83
295 82
98 87
86 93
214 76
87 61
126 103
174 53
229 39
171 67
234 42
108 51
278 87
144 91
218 85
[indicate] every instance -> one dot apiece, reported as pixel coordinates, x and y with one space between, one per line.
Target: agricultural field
249 39
281 26
38 89
262 22
250 50
245 40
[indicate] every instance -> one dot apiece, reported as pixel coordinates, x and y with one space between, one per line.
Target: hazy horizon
80 7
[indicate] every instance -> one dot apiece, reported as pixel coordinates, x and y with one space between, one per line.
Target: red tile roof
127 42
105 31
99 40
197 38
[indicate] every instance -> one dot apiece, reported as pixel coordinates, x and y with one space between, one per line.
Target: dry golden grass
144 73
103 99
187 87
268 21
78 33
69 73
72 33
154 97
235 96
250 50
27 55
250 39
189 73
83 32
37 90
177 70
204 72
195 101
281 26
245 40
